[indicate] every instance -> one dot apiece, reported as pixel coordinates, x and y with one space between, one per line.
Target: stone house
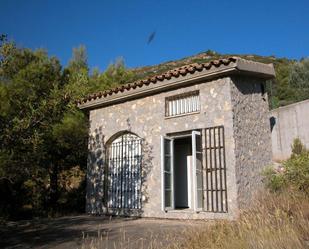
189 143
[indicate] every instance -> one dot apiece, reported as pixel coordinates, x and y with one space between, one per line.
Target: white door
197 183
167 174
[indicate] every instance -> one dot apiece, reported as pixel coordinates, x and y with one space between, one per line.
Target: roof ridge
172 73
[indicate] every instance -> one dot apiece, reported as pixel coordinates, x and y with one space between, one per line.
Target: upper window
181 104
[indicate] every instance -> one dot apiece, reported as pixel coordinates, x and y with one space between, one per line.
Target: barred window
124 173
181 104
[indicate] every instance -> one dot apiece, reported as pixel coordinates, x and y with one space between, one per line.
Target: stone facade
251 134
232 101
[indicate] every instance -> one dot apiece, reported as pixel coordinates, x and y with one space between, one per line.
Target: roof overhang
237 67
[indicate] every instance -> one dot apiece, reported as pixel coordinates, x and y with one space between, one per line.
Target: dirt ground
93 232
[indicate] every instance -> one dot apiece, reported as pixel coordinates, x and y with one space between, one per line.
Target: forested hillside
43 149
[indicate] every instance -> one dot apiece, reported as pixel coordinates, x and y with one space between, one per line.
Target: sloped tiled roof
174 73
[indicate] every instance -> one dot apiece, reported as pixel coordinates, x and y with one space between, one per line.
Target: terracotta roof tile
184 70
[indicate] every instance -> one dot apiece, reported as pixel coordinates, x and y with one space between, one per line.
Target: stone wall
146 118
95 171
251 134
287 123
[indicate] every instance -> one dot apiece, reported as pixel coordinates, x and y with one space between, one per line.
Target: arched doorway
124 172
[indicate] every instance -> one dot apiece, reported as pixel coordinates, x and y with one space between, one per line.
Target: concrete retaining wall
287 123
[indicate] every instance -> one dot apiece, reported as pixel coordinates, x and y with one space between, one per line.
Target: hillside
280 90
142 72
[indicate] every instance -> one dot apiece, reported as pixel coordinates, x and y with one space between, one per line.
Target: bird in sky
151 37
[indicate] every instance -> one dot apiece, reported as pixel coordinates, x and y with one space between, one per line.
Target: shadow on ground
90 232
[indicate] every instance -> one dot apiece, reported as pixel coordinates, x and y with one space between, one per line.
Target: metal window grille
215 184
124 173
182 104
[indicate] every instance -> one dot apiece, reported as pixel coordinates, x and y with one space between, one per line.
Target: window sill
191 211
182 115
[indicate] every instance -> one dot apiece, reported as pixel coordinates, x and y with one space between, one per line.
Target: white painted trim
172 174
162 175
180 136
189 177
194 184
181 115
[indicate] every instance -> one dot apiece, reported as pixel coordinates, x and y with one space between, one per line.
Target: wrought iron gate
215 185
124 173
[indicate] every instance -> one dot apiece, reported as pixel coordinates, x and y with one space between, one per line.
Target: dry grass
125 241
275 221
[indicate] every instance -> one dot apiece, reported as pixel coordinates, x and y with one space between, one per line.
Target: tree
79 60
299 79
115 74
35 113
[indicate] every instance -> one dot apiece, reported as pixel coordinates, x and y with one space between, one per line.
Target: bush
274 179
298 148
297 172
293 174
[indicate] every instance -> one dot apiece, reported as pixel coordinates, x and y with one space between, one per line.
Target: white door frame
163 207
193 135
194 159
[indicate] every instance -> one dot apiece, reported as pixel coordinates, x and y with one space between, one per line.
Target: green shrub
294 172
298 147
297 172
274 180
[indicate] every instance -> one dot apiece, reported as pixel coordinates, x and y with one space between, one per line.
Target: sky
154 31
